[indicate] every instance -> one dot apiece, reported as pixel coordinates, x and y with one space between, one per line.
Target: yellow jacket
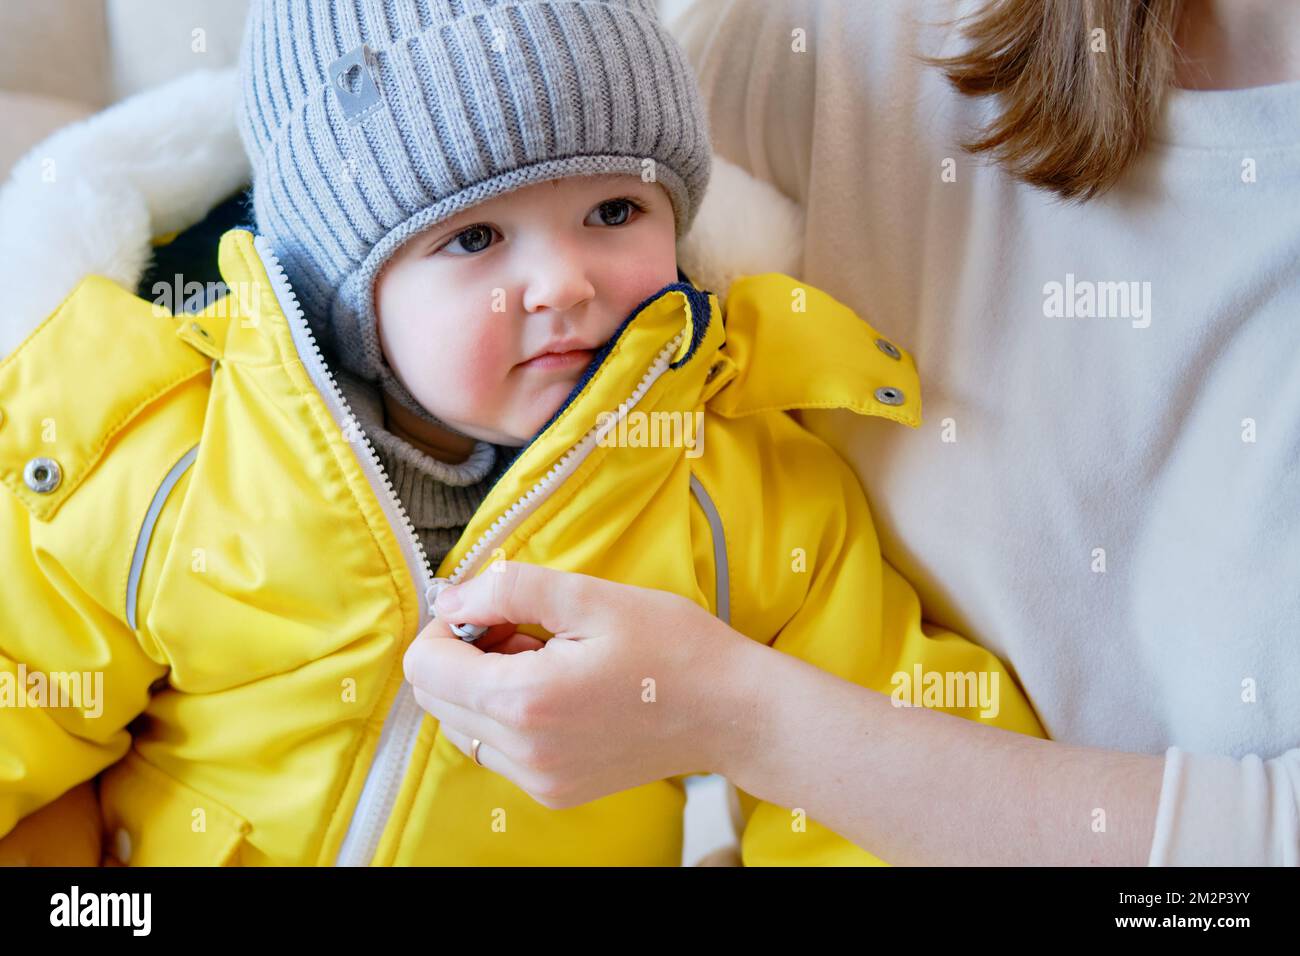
192 513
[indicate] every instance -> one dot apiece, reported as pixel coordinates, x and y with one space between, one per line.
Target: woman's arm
571 722
921 787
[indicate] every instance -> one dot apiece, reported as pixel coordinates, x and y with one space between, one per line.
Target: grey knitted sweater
439 498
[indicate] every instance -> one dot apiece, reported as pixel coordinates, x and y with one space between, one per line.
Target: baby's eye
472 240
616 212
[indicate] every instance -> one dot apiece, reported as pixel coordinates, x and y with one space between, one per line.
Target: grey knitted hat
368 121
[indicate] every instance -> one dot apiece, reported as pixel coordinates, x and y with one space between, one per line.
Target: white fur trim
89 198
161 160
745 226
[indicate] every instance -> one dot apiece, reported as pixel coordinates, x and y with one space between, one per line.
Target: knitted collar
436 494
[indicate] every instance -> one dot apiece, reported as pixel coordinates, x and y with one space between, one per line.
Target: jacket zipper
401 727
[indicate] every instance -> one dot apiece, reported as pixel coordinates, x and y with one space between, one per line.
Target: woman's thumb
518 593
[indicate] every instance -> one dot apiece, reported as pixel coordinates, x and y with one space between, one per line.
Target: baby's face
490 318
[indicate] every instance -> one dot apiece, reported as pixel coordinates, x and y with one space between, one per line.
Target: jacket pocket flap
153 819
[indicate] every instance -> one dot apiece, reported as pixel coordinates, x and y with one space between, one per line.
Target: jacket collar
792 346
755 357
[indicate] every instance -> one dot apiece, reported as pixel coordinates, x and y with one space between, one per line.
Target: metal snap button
713 372
42 475
200 329
888 348
889 396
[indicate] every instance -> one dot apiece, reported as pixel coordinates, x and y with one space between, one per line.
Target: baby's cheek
482 365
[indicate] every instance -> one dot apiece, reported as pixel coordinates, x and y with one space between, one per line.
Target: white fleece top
1106 494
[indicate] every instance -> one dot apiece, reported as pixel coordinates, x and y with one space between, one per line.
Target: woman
1104 492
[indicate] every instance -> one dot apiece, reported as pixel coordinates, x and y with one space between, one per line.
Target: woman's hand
629 690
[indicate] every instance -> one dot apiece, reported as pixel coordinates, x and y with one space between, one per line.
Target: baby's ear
744 226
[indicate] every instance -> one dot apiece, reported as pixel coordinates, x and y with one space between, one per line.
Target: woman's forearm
922 787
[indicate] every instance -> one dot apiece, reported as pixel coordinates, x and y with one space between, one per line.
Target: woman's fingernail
447 601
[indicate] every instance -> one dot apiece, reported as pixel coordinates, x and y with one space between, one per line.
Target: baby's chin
534 401
535 410
539 405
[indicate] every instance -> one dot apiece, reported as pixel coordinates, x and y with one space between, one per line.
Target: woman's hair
1079 82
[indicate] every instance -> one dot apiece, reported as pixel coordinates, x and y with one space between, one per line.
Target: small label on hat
354 85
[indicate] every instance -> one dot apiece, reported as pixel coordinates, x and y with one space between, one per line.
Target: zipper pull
466 632
469 633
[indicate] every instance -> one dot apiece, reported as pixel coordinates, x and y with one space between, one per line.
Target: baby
456 189
468 212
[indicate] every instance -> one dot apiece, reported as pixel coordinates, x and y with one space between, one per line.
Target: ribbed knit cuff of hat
440 497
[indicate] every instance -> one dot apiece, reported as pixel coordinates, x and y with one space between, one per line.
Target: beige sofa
61 60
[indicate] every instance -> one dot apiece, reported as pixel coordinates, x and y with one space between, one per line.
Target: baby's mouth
575 358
